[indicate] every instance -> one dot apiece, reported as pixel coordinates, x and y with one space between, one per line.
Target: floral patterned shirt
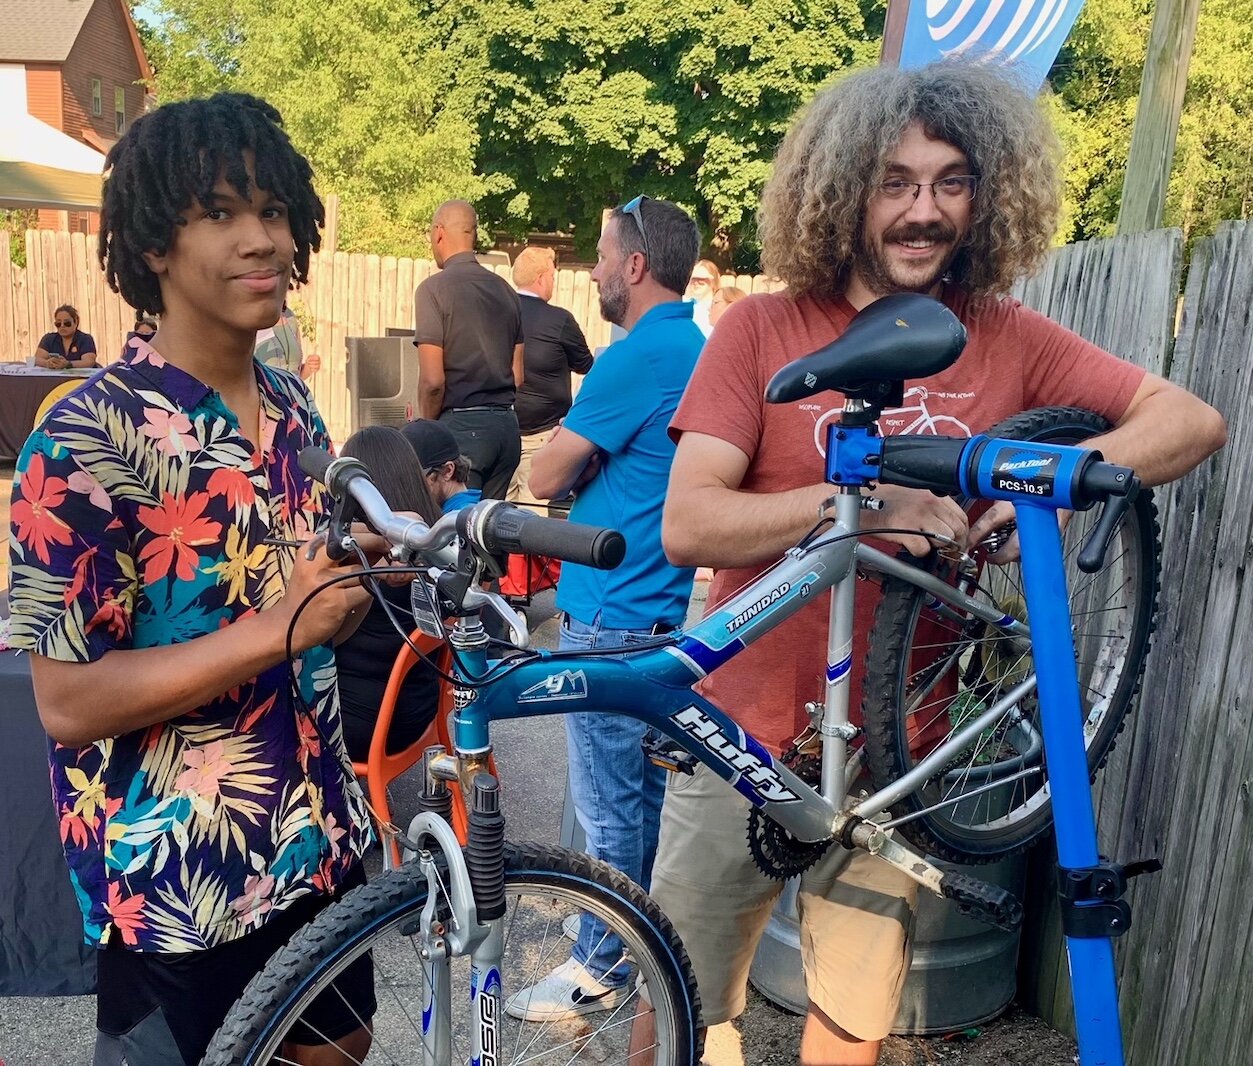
139 518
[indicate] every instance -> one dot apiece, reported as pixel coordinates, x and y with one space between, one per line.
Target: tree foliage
1097 83
581 105
544 112
361 92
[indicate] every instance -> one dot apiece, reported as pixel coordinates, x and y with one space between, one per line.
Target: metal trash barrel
963 971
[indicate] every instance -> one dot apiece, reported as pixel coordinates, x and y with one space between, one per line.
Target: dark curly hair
836 151
172 158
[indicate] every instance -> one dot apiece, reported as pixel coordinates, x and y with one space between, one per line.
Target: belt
659 629
486 407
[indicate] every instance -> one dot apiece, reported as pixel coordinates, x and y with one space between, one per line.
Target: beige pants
855 911
520 487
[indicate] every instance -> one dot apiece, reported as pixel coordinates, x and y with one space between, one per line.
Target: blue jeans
617 795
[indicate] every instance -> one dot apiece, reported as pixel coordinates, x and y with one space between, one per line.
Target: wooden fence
1180 784
348 295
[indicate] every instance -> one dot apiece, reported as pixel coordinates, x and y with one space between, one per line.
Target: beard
883 276
614 299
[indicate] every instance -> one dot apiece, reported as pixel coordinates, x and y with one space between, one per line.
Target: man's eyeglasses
635 208
953 189
63 325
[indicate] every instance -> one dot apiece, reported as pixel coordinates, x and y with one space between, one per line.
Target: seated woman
68 346
364 661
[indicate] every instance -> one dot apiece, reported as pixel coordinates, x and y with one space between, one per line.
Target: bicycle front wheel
545 887
933 668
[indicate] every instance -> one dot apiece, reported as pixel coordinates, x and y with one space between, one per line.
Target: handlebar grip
512 529
315 462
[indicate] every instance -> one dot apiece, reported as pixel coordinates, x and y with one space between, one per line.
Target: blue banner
1023 34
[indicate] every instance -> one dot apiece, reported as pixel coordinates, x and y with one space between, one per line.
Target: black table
20 397
41 929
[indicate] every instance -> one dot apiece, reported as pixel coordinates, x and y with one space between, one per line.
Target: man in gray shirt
468 332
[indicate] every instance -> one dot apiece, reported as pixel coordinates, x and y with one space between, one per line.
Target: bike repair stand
1093 911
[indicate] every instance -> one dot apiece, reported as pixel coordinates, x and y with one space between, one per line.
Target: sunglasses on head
635 208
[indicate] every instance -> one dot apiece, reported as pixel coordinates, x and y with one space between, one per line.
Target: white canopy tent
39 165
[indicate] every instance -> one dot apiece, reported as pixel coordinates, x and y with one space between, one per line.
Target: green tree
1097 83
580 105
362 90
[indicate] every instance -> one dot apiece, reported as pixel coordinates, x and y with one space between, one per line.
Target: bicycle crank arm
977 899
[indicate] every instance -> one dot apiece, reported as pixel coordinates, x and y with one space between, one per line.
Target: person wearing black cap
445 469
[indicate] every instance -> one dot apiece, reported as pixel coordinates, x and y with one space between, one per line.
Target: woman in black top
364 661
67 346
145 329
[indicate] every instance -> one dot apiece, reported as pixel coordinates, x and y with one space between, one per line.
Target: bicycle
953 655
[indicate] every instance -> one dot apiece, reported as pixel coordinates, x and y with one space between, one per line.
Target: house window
119 108
97 101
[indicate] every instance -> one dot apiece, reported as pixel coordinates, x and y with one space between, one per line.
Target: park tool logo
567 685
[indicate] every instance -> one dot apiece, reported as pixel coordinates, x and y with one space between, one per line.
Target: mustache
921 231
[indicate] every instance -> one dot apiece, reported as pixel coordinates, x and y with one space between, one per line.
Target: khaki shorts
855 911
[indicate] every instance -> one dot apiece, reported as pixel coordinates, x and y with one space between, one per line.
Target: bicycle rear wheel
933 668
543 886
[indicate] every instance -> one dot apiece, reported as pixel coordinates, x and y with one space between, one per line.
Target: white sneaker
570 927
568 992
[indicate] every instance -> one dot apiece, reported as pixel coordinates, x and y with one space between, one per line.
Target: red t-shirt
1015 359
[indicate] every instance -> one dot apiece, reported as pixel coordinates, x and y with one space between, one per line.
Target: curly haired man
942 181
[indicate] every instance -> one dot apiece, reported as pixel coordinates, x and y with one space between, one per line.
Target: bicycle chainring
777 853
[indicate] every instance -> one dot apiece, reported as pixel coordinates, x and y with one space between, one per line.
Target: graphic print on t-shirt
914 417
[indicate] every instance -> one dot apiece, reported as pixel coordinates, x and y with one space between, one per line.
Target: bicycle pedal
991 904
669 756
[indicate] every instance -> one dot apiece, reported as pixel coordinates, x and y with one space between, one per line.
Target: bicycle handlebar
491 526
347 478
1066 476
501 528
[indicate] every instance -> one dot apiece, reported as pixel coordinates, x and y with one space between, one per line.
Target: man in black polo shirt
554 347
468 332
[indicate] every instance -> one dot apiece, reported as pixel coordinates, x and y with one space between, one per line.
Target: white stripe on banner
1025 33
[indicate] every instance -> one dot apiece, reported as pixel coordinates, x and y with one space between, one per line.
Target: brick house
85 74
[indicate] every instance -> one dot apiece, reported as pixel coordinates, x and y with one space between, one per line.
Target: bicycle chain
778 854
996 906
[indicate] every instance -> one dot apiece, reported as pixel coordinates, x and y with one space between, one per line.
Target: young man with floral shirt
205 807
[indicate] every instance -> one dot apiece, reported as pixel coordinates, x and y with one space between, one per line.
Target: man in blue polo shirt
614 452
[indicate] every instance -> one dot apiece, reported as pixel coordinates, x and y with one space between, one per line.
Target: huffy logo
567 685
811 379
764 777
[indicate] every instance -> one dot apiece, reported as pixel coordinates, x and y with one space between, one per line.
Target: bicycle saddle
905 335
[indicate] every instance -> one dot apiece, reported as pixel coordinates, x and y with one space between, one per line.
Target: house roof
40 31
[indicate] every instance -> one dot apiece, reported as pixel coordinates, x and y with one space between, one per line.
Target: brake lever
339 539
476 598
